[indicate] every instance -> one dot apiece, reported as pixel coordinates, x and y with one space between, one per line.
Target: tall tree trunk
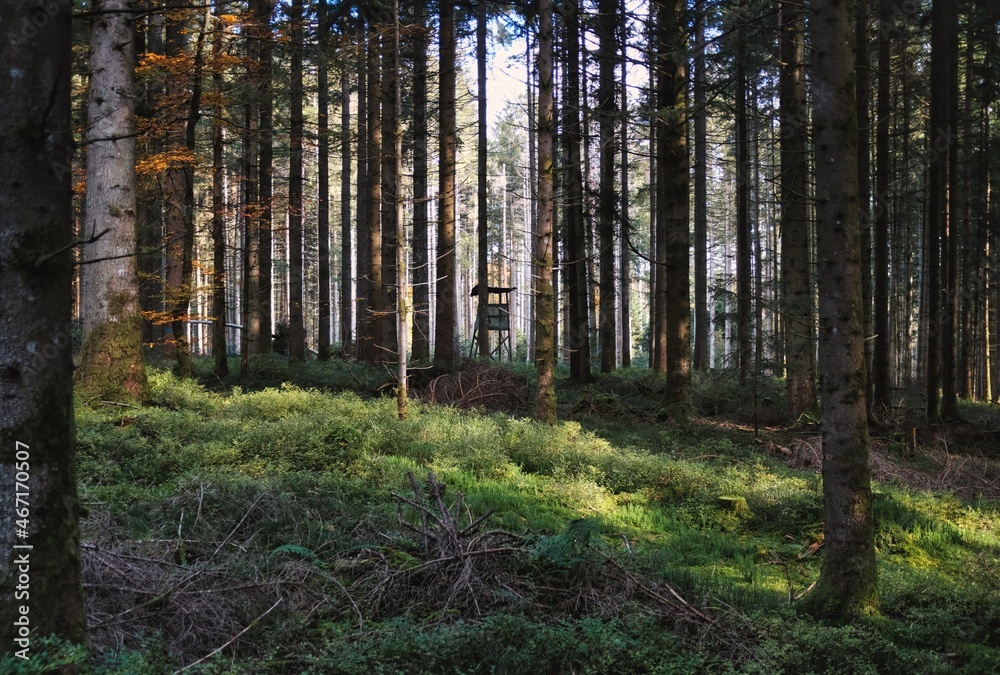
574 225
346 258
606 187
264 8
446 314
702 326
323 200
296 320
37 434
388 347
111 364
219 343
847 585
744 291
402 291
624 264
862 66
673 200
545 348
250 336
184 105
950 238
482 230
421 344
881 358
796 288
363 320
376 294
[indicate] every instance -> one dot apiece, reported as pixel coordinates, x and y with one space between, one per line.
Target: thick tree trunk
545 348
296 322
420 344
111 364
796 288
847 584
574 226
38 461
673 200
375 306
606 189
446 314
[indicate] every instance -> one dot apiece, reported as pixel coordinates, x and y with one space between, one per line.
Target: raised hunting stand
497 321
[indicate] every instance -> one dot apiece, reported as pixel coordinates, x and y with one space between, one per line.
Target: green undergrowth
295 486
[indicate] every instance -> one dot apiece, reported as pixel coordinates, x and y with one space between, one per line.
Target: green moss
110 363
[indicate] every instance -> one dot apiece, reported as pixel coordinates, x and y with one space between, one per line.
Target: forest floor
286 521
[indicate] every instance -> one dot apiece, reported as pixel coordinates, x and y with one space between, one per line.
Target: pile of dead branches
456 566
480 386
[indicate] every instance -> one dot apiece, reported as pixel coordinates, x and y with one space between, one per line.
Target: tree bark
847 585
702 325
111 364
36 259
673 200
296 322
323 200
482 229
744 290
220 350
796 288
624 265
574 225
881 359
545 348
420 344
388 348
446 314
606 189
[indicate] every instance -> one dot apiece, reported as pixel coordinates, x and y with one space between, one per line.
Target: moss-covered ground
266 515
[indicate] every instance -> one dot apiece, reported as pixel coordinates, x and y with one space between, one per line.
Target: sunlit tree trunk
111 364
37 434
881 358
847 585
